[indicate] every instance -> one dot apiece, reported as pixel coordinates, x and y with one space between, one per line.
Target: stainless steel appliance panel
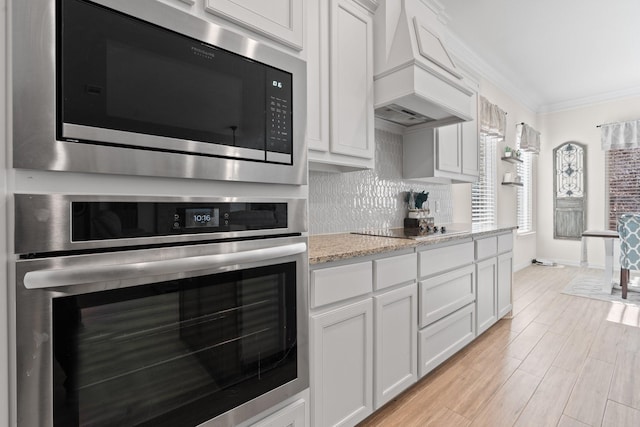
43 222
40 281
34 104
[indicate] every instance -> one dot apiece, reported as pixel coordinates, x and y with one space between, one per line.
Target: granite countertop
334 247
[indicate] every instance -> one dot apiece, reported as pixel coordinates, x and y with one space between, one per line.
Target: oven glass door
173 353
125 81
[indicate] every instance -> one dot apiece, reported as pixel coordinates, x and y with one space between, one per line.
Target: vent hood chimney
415 78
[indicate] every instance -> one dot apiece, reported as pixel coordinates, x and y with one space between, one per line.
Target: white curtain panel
527 138
616 136
493 120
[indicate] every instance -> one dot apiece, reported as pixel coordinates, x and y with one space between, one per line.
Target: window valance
527 138
616 136
493 120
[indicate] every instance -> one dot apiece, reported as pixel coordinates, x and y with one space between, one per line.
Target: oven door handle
41 279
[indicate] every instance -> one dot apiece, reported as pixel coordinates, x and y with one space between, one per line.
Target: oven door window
173 353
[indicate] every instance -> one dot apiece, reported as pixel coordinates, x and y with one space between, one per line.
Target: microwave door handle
42 279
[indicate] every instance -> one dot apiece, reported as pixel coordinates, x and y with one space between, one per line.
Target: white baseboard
570 263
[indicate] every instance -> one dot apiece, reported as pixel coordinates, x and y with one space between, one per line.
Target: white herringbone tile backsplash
344 202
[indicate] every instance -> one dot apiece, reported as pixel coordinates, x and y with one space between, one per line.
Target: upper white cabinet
280 20
340 120
470 142
447 153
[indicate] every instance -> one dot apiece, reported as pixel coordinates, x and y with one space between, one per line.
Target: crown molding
483 69
589 100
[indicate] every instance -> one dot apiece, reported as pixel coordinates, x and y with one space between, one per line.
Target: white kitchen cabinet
446 304
362 311
438 260
342 365
293 415
448 149
334 284
280 20
486 249
394 270
470 142
396 340
505 273
444 294
446 153
486 294
340 120
444 338
494 268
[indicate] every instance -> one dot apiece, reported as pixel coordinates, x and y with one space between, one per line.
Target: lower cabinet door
396 340
342 365
445 337
505 272
486 294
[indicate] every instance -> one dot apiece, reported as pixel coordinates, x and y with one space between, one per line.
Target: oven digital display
202 217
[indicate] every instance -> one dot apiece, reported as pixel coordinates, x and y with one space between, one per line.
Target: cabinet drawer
444 338
333 284
394 270
434 261
293 415
505 243
486 247
442 295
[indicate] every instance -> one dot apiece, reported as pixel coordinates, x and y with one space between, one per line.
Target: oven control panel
48 223
122 220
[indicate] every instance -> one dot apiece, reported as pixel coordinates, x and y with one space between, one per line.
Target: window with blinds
623 183
525 193
483 191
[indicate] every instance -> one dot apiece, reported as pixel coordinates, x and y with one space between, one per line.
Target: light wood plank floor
560 361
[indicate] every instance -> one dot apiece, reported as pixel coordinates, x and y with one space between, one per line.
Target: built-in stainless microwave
144 88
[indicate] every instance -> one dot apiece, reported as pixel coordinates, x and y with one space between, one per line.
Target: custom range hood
415 79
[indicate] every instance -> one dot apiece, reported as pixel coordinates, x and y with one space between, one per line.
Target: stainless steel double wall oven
158 312
143 310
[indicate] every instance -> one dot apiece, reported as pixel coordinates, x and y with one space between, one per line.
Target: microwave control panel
279 130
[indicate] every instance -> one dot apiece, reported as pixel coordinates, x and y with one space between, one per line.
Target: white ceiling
550 54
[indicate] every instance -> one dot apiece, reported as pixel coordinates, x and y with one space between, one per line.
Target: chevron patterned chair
629 230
